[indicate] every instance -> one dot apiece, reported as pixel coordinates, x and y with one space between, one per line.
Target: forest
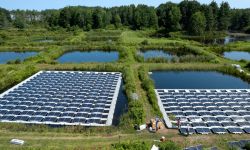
191 17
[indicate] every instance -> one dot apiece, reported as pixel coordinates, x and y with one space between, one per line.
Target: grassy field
127 43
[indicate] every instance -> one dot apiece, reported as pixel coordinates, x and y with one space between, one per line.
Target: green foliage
197 24
169 145
224 16
131 146
248 66
247 146
145 42
117 21
247 29
145 17
19 23
135 111
169 16
188 8
210 19
17 61
148 86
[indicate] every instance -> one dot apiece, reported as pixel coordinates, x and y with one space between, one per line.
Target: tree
197 24
215 10
224 16
169 16
3 20
188 8
19 23
117 21
210 19
98 18
145 17
64 17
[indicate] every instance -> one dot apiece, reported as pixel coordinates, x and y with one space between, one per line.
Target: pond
196 80
10 56
155 54
121 106
89 56
226 40
237 55
44 41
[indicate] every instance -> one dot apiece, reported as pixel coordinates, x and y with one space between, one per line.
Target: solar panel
235 130
217 109
56 97
219 130
203 130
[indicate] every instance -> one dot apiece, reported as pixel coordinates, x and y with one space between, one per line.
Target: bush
247 30
248 65
145 42
131 146
247 146
148 86
169 146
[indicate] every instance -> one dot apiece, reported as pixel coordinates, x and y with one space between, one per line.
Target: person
188 129
179 123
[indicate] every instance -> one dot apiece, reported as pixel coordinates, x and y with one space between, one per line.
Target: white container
17 142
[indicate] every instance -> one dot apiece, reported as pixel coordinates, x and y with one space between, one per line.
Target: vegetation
148 86
169 145
131 146
169 16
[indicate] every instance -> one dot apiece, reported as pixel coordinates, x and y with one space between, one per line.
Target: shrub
169 145
131 146
145 42
247 146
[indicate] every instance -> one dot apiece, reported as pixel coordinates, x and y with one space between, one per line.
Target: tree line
189 16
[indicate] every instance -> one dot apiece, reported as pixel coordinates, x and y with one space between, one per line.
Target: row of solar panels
206 104
207 113
204 97
13 105
97 113
34 100
60 108
220 109
201 90
233 130
51 120
216 124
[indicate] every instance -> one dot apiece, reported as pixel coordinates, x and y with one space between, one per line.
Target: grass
127 43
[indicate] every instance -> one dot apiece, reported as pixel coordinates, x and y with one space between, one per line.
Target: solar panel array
206 111
62 98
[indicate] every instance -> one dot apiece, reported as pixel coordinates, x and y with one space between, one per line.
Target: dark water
155 54
226 40
196 80
237 55
89 56
121 106
44 41
8 56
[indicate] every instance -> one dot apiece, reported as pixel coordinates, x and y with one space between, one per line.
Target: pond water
89 56
155 54
8 56
196 80
237 55
44 41
121 106
227 40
